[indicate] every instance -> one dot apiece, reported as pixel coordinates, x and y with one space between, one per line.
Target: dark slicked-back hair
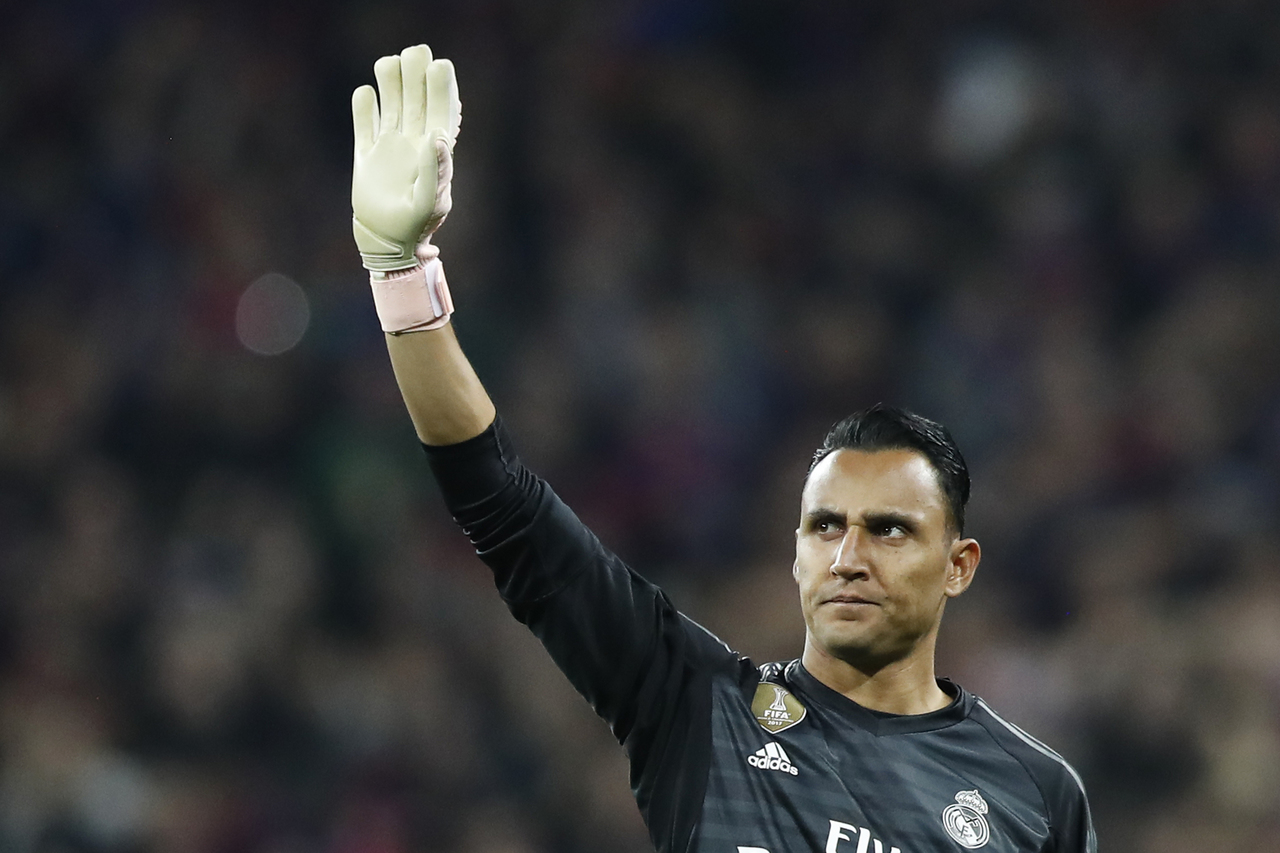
883 427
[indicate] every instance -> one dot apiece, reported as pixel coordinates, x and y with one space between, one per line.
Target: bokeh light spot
989 100
272 315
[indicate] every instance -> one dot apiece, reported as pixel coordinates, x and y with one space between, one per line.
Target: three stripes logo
772 757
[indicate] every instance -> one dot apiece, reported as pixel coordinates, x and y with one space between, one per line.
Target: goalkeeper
853 747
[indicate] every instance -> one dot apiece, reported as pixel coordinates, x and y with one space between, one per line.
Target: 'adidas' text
772 757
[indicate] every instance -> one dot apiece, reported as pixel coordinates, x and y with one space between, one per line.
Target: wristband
413 300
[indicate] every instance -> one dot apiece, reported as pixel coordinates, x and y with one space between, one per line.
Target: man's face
876 559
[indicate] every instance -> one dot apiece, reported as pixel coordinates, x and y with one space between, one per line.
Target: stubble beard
869 648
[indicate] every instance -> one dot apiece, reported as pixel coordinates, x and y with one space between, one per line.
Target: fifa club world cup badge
775 708
965 820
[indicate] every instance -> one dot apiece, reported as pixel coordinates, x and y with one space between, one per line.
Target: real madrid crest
965 820
775 708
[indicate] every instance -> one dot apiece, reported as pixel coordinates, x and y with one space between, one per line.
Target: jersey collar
879 722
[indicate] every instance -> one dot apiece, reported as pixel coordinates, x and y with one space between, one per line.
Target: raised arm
644 667
400 194
442 392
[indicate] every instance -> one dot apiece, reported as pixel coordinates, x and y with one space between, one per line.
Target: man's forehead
898 476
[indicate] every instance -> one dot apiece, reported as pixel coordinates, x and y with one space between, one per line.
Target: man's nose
850 561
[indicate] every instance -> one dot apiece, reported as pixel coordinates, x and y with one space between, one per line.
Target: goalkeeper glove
400 193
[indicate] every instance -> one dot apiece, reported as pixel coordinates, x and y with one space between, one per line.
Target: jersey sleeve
644 667
1069 815
1057 782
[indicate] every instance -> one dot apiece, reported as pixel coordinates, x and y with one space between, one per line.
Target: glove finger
390 94
413 76
444 108
424 186
444 176
364 116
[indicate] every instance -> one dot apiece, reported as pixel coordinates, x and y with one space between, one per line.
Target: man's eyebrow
821 514
891 519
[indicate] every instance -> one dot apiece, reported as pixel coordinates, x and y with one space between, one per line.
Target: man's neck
905 686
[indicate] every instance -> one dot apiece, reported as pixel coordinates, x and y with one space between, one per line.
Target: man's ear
795 566
964 558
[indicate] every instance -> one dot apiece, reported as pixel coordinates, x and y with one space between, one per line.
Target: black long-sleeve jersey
731 757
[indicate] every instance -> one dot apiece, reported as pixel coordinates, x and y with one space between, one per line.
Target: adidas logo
772 757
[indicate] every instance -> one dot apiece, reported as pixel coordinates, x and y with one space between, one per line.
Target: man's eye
892 531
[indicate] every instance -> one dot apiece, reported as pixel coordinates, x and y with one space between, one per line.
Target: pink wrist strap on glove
416 299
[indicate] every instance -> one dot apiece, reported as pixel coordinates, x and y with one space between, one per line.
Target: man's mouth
848 598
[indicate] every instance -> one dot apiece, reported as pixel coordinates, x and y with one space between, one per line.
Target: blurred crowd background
688 235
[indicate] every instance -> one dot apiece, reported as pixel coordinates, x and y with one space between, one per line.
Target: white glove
403 156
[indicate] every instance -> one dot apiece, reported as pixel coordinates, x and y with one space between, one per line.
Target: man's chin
861 648
848 645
